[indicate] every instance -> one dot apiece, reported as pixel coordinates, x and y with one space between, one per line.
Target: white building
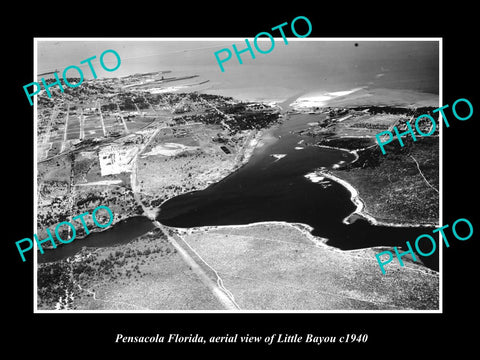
115 159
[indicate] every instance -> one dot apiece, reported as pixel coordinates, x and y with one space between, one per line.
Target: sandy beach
320 99
364 96
354 197
360 211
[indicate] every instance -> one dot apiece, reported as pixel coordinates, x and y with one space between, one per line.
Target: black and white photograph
260 187
219 179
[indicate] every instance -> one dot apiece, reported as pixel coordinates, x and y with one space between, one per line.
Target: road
423 176
62 148
101 118
220 112
217 288
123 120
81 118
54 114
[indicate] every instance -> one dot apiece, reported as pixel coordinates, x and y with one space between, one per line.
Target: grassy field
278 267
364 125
145 274
391 185
161 177
265 267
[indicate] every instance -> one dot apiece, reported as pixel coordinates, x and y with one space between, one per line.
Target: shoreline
353 152
303 228
241 159
354 196
360 211
251 144
364 95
